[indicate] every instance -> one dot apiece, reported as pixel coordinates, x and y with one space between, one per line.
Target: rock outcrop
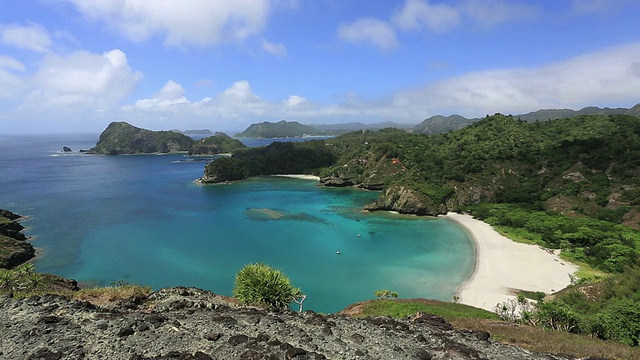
405 200
188 323
14 247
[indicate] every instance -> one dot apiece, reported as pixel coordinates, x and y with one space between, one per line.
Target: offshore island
566 186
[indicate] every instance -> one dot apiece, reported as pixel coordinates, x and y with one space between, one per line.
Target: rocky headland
14 247
121 138
188 323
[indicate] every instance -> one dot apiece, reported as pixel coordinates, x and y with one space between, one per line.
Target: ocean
141 219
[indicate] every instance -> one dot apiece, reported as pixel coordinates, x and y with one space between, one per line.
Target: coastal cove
100 219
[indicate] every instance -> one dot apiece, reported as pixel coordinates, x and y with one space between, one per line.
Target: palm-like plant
261 285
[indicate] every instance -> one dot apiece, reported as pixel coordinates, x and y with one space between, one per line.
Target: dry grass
548 341
108 294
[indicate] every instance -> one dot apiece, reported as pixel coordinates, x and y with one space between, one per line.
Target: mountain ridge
438 124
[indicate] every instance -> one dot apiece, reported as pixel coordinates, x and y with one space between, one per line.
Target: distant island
195 132
121 138
293 129
281 129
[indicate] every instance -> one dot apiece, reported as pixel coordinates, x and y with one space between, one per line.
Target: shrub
261 285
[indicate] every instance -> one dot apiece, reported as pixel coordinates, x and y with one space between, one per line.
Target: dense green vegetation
122 138
587 165
278 158
607 310
217 144
605 245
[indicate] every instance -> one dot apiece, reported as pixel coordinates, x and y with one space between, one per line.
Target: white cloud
568 84
418 14
82 80
274 49
9 63
10 82
369 30
167 98
193 22
32 37
440 18
293 101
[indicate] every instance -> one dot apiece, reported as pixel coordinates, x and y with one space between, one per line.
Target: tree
261 285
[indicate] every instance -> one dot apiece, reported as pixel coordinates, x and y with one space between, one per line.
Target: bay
141 219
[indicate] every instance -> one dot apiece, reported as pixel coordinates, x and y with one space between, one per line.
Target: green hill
281 129
122 138
217 144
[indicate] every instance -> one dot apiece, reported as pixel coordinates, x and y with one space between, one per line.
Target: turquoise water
141 219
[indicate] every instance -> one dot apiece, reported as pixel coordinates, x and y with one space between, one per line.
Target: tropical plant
261 285
22 278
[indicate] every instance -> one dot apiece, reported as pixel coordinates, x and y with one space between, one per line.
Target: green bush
261 285
21 279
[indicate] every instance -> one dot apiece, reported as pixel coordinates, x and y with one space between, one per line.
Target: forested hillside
584 165
570 184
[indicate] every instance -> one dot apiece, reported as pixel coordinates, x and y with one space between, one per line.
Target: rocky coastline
15 248
189 323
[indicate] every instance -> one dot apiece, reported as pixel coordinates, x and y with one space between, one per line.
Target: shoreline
299 176
503 266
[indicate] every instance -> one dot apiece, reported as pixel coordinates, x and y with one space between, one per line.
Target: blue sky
76 65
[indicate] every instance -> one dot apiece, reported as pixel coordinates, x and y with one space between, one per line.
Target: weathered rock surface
188 323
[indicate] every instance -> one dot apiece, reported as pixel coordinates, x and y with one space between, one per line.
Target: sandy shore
503 266
303 177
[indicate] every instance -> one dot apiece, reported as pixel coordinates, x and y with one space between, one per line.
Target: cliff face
14 249
188 323
405 200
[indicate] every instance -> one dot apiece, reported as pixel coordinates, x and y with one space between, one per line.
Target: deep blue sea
102 219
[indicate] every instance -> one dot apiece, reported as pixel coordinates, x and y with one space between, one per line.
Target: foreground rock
188 323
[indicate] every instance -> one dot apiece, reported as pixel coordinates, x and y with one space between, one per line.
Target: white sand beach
299 176
503 265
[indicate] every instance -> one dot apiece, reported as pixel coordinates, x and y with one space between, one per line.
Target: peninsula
121 138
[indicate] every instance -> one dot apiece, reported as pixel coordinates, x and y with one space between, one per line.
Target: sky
74 66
